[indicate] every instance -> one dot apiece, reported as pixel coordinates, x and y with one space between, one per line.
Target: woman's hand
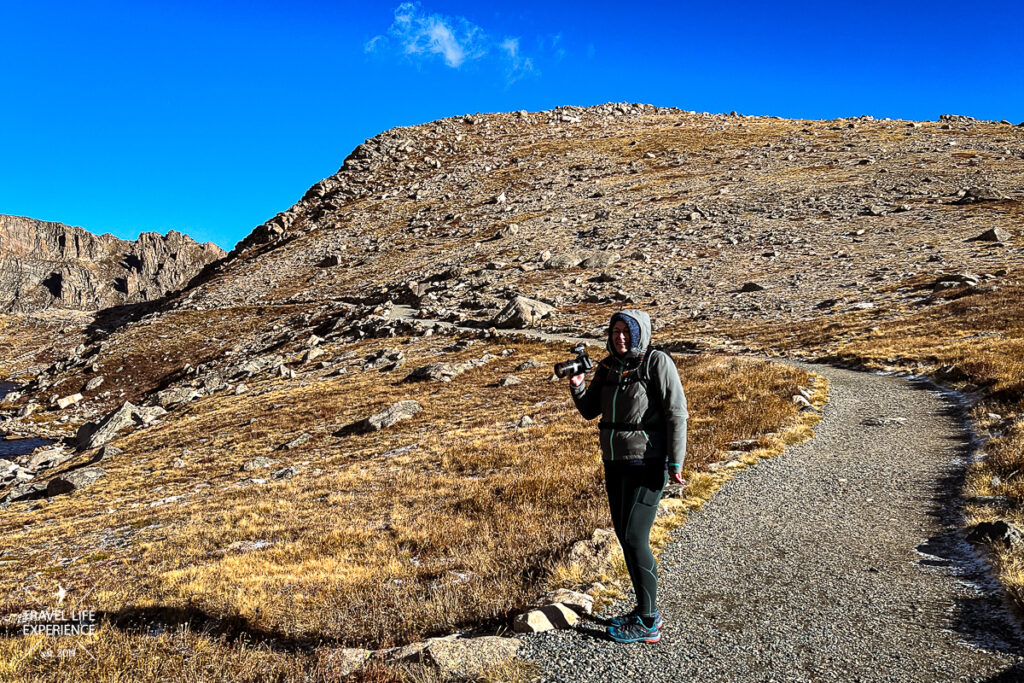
676 476
576 380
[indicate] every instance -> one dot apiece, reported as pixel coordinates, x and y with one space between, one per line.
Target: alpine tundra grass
454 517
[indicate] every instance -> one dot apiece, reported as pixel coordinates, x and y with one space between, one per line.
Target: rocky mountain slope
710 222
456 216
51 265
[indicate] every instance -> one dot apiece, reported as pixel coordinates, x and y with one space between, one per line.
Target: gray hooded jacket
640 401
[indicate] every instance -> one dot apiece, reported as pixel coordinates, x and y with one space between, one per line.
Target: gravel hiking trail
839 560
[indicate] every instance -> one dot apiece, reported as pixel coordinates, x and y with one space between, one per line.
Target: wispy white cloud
418 34
518 65
560 51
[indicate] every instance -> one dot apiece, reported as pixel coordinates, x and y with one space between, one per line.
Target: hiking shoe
622 619
634 631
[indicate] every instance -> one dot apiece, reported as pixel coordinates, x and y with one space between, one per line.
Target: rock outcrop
50 265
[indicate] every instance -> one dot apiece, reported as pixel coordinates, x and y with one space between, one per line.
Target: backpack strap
646 374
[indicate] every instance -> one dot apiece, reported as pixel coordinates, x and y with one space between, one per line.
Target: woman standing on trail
637 392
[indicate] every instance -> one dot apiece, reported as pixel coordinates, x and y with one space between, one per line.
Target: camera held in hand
577 366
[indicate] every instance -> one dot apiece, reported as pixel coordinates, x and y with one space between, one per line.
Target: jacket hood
643 321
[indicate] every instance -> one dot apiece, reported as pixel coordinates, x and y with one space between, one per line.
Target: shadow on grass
983 617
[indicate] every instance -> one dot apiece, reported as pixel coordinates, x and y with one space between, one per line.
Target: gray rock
579 602
297 441
176 396
521 313
601 259
508 381
109 451
74 480
258 463
596 553
345 661
283 473
751 287
975 195
93 435
469 658
12 473
441 372
94 383
29 490
403 410
48 459
563 261
992 235
955 280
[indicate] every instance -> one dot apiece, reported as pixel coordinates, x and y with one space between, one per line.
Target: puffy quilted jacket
640 400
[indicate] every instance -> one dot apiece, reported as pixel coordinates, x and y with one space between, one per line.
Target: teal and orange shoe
634 631
622 619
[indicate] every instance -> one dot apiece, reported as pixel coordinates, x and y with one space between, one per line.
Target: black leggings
634 492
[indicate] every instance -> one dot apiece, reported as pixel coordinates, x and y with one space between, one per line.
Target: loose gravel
838 560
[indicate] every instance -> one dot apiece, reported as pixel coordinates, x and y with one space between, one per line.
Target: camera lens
568 368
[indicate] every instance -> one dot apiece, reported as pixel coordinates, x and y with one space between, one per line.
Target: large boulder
94 435
445 372
10 473
439 372
563 261
74 480
600 259
397 412
27 490
992 235
521 312
47 459
176 395
975 195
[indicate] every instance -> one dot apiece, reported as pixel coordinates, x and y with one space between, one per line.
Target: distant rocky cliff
50 265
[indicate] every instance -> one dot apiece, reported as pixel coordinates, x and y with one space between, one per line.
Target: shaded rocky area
51 265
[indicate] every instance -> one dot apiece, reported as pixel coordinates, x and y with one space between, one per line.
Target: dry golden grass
464 527
37 338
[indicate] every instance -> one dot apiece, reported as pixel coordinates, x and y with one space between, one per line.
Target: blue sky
210 117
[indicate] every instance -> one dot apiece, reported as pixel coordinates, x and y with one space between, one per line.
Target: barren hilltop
883 243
